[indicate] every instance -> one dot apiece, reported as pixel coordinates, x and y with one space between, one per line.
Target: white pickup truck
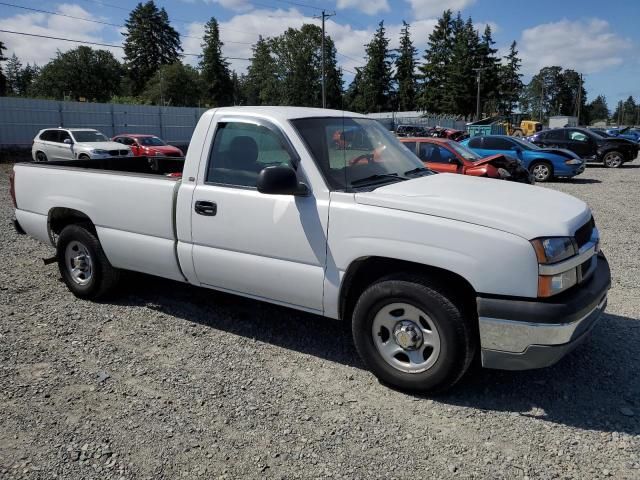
278 204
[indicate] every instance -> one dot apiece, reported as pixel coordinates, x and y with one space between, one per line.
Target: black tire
458 340
103 277
613 159
518 133
41 157
541 171
84 156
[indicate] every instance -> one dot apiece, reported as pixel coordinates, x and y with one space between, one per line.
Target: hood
563 152
167 149
101 145
523 210
499 156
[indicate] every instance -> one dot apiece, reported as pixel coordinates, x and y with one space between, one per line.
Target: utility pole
579 98
323 17
478 78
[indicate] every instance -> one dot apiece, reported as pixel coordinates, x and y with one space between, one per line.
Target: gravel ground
171 381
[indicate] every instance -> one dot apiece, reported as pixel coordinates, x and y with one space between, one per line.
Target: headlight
100 152
503 173
574 161
549 285
554 249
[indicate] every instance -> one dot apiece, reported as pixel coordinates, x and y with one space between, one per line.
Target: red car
448 156
147 145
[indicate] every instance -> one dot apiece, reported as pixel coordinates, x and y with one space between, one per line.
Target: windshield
525 144
357 152
465 152
88 136
151 142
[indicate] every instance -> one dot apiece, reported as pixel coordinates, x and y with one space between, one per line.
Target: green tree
333 76
354 96
542 96
175 85
433 71
3 79
150 41
510 81
13 70
572 96
406 71
27 78
238 89
460 86
261 82
214 68
626 112
490 79
598 109
376 74
80 73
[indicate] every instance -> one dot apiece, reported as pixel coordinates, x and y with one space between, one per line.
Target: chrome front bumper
522 335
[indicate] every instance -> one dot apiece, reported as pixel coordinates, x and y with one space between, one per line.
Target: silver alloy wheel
612 160
406 337
541 172
78 261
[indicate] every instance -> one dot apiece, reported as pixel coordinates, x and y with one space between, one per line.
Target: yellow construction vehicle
516 127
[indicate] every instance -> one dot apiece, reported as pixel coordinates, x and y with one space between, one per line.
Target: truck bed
130 201
144 165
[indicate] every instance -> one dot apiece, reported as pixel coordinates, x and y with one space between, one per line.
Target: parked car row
88 143
589 145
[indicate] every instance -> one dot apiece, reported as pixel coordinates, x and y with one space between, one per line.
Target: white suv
75 144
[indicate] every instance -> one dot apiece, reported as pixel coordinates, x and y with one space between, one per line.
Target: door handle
208 209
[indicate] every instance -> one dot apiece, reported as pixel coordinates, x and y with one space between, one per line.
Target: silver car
75 144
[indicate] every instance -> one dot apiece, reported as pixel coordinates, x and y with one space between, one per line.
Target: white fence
22 118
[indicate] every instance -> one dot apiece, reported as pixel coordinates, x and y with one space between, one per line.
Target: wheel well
60 217
366 271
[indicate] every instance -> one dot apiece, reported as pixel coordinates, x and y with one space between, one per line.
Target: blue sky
599 39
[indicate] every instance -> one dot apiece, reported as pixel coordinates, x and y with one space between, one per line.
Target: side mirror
280 180
68 141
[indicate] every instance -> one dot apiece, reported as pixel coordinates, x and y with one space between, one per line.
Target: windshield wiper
377 176
417 170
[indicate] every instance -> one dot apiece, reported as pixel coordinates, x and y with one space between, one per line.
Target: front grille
583 234
118 153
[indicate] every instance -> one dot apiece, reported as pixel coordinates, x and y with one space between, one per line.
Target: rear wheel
613 159
412 335
84 156
41 157
83 264
541 171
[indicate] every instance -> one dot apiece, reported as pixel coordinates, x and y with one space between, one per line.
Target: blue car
543 163
626 132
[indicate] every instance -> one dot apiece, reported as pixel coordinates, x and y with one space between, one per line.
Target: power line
297 4
98 21
87 42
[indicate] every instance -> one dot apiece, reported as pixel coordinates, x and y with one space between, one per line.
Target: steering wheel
364 158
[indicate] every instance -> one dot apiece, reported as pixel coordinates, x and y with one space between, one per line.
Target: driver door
270 247
438 158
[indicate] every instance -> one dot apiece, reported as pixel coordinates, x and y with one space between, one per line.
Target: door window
577 136
241 150
63 135
497 143
475 142
411 146
49 136
430 152
554 135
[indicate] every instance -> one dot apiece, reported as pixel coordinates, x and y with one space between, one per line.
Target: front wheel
411 334
83 265
541 171
613 160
